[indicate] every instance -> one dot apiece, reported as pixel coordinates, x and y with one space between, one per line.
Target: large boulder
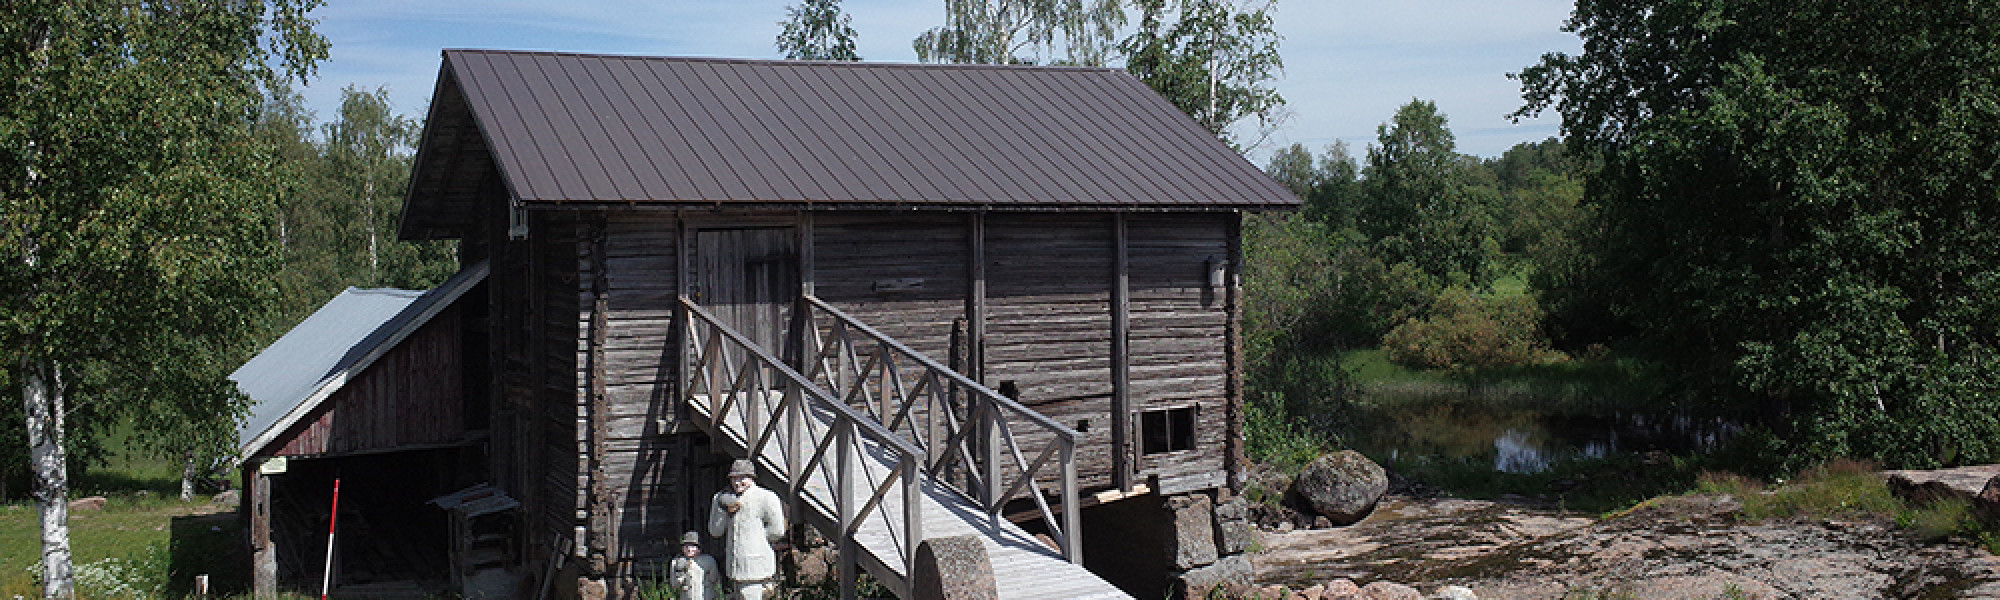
1343 486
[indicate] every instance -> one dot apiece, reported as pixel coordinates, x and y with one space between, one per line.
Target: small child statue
694 575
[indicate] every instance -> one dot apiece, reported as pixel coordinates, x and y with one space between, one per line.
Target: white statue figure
747 519
694 575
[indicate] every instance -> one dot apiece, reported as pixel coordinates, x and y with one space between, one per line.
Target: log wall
1179 354
646 463
1048 324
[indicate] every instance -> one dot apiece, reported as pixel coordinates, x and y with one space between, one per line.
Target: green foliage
1465 331
1271 438
1215 62
337 226
998 32
817 30
137 256
1799 210
1423 202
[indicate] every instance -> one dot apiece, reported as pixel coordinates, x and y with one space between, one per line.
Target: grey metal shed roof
583 128
295 374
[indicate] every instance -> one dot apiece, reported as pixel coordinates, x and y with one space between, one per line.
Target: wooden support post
683 321
1123 458
1235 461
844 482
975 302
913 515
805 244
263 551
1072 514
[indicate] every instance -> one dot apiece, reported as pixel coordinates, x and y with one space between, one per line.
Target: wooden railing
741 391
971 435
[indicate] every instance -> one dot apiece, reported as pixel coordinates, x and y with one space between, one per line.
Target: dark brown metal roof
579 128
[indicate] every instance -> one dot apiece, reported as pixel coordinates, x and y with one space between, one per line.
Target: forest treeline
1414 248
1789 213
339 185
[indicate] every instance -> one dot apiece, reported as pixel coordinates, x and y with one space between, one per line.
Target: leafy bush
1271 438
1465 331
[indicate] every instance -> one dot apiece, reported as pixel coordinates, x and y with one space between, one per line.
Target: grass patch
1853 489
135 546
1841 488
145 542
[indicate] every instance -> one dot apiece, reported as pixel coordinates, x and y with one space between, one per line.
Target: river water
1516 436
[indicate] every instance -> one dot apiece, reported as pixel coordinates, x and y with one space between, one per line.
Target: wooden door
748 277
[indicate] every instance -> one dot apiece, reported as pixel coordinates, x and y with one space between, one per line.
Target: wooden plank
1121 359
975 300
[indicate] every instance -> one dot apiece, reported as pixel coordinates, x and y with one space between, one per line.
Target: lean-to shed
375 388
1005 270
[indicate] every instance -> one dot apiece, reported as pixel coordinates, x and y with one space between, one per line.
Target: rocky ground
1675 547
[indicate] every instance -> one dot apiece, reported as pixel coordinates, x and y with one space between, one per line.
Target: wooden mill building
975 271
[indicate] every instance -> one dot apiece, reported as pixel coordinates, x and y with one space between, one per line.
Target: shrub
1465 331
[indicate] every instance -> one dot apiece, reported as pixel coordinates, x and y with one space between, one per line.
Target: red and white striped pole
326 579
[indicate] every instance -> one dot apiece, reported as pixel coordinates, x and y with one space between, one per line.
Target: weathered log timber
1062 236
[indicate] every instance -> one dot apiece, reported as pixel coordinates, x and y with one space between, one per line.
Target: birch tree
1073 32
135 211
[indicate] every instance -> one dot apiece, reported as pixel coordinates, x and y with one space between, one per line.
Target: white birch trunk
42 397
187 476
368 205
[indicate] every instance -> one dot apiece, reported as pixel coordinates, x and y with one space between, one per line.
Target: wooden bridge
880 447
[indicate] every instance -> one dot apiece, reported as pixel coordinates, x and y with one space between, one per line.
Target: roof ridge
781 61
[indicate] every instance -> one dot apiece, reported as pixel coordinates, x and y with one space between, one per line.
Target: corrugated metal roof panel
628 129
343 337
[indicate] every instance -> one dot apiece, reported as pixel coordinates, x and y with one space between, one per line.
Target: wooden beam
805 245
263 553
1234 458
681 321
975 301
1123 461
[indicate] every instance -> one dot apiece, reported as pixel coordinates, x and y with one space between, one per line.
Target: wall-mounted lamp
1218 270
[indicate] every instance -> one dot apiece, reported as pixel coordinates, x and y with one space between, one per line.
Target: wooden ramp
864 484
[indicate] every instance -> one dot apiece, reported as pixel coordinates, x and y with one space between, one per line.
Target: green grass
144 537
151 543
1849 489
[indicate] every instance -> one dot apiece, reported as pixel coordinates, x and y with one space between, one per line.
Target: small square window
1168 430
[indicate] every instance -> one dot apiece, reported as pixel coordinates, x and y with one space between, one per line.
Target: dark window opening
1169 430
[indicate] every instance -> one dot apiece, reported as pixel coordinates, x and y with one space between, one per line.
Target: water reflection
1516 440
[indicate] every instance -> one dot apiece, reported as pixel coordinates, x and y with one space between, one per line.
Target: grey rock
1340 588
1237 509
1234 533
1988 499
1231 571
227 497
1454 592
1193 534
1343 486
1384 590
953 567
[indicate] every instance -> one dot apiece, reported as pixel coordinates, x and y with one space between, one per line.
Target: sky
1348 63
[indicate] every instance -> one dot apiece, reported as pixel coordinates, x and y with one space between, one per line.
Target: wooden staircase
881 447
